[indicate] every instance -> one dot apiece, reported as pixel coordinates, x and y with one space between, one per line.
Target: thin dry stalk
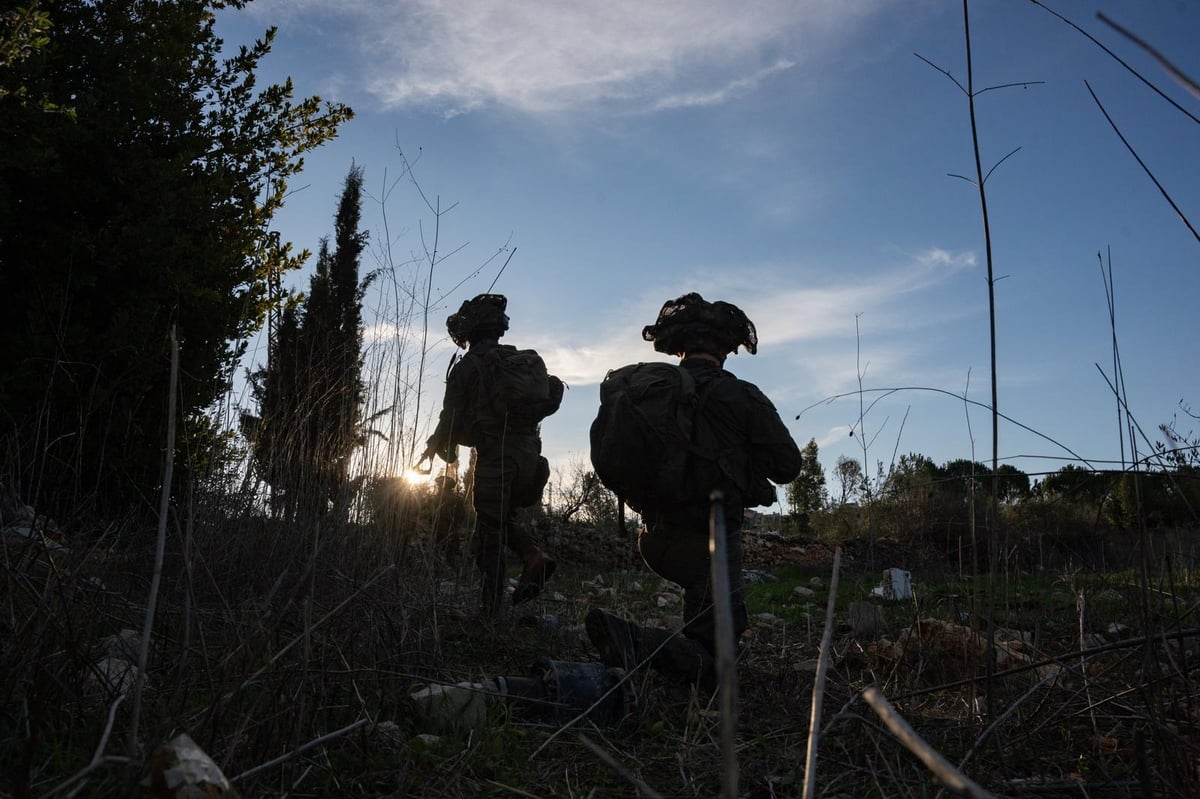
98 757
159 550
624 773
995 724
818 698
309 630
1118 59
726 656
1087 682
1172 70
943 769
299 750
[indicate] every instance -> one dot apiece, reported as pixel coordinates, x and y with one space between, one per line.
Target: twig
1087 681
301 749
1117 58
726 657
250 680
608 760
98 757
159 550
995 724
818 698
933 760
1162 60
1142 163
896 389
1116 646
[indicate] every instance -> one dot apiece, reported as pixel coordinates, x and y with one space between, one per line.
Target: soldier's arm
773 452
454 418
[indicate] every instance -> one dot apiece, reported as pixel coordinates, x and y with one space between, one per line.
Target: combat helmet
691 323
483 315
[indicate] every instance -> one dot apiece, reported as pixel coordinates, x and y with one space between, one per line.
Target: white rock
109 677
126 644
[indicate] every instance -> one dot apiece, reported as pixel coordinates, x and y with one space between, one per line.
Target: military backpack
643 440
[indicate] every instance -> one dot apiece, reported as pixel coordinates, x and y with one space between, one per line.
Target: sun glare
417 478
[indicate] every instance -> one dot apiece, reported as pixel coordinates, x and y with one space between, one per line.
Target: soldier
496 396
747 445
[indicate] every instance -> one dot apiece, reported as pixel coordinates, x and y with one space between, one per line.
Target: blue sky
793 157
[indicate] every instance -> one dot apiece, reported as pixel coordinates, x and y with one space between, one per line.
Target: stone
109 677
126 644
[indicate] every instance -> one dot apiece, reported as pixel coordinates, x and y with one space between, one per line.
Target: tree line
917 498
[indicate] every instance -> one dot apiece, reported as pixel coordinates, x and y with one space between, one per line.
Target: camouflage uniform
510 471
753 446
750 448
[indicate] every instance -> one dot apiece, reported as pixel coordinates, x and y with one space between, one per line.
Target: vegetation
146 207
305 592
806 494
310 392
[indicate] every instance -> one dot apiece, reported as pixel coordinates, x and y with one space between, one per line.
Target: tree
310 393
914 501
579 492
147 207
806 494
1076 484
849 474
22 32
1012 484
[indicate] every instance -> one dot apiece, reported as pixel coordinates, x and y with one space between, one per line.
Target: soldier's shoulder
754 394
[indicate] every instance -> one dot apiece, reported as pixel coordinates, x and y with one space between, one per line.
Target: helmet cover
482 315
691 323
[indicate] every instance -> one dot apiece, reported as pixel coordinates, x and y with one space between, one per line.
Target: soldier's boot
627 645
615 639
539 568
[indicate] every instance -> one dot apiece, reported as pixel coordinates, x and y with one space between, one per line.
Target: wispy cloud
893 298
734 88
574 55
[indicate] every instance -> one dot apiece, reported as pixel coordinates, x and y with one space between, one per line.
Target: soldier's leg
490 500
682 557
529 474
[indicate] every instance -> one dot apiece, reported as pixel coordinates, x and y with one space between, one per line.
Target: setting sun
416 477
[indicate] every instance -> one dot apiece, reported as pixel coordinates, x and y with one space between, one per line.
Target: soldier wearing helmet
496 396
750 448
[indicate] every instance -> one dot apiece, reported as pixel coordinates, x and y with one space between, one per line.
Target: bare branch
945 72
1171 69
302 748
626 774
998 163
933 760
888 391
1142 163
818 694
1117 58
1024 84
